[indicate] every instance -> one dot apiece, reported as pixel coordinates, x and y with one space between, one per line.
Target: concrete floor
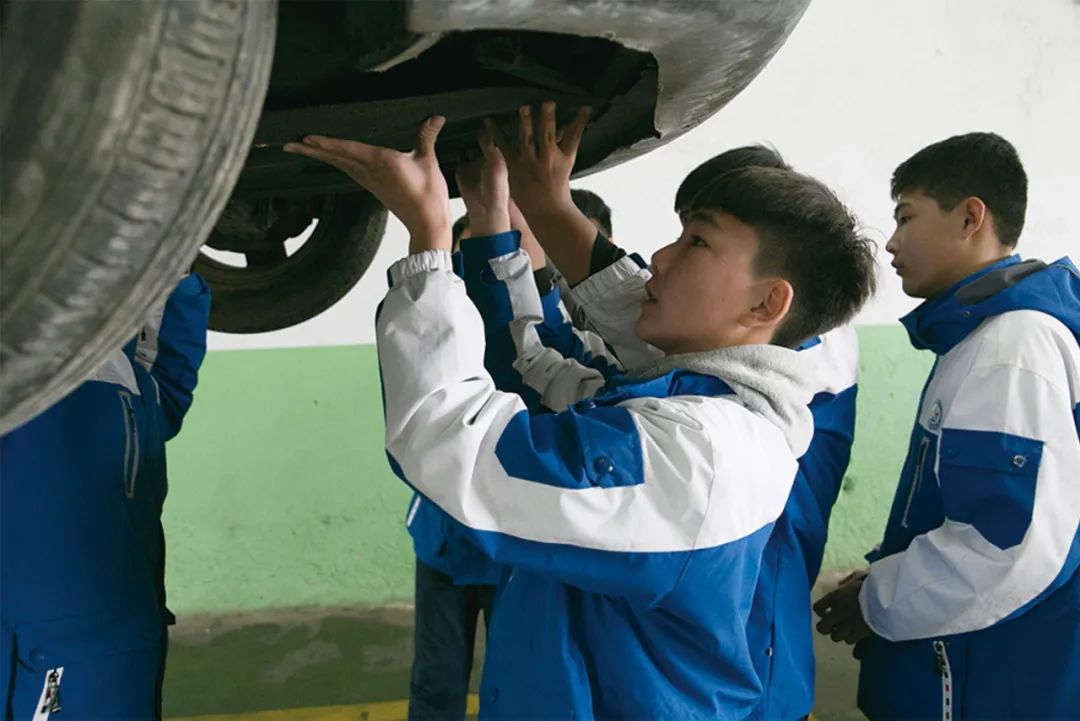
349 664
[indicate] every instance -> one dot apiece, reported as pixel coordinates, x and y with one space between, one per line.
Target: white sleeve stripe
559 381
666 513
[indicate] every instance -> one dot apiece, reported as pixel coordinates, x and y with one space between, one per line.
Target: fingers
429 131
824 603
547 126
488 147
496 133
525 131
827 623
337 159
351 149
571 136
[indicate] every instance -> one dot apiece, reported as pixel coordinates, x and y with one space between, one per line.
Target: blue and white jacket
437 542
619 517
780 620
975 593
83 485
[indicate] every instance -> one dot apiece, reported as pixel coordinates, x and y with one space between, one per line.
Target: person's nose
660 259
893 246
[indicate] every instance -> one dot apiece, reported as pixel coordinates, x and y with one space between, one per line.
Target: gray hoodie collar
773 382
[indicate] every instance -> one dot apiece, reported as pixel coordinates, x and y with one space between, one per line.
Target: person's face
703 287
928 245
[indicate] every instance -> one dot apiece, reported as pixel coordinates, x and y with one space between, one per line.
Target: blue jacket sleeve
497 295
171 347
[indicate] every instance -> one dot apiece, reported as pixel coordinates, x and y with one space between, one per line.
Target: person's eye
903 220
697 241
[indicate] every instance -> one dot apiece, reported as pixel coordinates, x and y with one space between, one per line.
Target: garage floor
343 664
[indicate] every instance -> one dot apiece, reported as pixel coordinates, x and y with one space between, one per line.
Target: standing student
632 522
971 604
82 572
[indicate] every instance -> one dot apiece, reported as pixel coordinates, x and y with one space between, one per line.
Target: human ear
974 215
773 304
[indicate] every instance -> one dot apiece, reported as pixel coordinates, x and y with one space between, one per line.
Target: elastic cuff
428 261
600 285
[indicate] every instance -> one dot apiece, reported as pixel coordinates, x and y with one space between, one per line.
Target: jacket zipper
924 446
49 702
944 670
131 445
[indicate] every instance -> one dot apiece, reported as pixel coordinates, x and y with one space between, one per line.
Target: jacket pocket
988 481
916 479
131 444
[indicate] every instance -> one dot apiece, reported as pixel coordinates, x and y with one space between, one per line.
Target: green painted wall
281 495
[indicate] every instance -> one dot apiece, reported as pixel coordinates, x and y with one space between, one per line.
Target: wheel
276 290
124 125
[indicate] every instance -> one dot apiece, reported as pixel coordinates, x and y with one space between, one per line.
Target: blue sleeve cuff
479 250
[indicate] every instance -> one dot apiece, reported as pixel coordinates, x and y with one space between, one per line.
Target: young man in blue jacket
609 301
970 606
633 521
82 571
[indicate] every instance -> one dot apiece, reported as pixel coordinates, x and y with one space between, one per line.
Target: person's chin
912 288
643 328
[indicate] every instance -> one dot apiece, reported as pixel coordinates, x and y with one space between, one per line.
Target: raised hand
541 161
485 189
539 166
410 185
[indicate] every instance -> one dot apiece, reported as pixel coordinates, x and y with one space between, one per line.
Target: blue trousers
445 635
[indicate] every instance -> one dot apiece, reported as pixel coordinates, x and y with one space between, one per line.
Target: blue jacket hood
1007 285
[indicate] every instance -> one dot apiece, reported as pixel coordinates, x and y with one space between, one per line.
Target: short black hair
458 228
594 208
747 156
981 165
806 236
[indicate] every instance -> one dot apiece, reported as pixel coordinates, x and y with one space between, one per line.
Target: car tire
287 290
124 125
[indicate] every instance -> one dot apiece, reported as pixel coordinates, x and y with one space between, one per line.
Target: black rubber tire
124 125
320 272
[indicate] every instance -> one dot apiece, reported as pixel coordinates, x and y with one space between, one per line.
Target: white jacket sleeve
611 304
1007 469
608 498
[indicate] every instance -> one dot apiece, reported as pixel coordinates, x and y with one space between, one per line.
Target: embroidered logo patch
935 416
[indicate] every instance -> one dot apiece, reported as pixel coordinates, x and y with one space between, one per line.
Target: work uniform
974 595
82 570
632 522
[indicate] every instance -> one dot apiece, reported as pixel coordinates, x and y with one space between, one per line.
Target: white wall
859 86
